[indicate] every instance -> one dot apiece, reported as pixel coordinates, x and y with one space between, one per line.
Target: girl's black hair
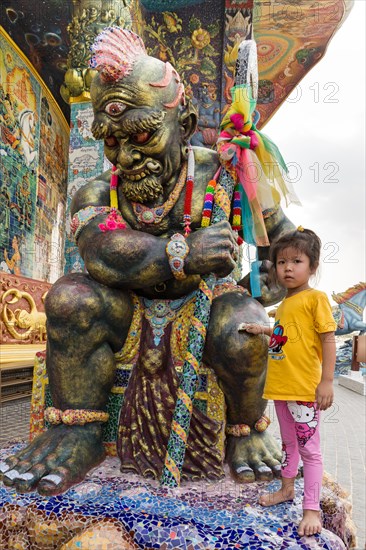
303 240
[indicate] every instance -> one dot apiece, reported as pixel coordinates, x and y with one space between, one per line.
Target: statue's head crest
115 51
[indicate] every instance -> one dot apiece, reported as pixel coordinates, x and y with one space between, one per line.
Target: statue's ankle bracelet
242 430
74 417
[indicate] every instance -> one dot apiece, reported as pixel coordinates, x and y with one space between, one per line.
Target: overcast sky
320 131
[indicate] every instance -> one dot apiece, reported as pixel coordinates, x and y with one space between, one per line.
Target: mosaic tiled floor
207 516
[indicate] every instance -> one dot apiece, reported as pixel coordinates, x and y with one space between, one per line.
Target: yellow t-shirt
295 350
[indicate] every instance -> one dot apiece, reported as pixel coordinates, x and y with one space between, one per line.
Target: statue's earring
184 151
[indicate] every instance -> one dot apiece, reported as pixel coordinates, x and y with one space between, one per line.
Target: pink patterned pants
299 425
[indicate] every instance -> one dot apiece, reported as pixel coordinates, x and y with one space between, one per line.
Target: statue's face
142 137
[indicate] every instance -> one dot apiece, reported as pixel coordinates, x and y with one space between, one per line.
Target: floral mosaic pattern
196 516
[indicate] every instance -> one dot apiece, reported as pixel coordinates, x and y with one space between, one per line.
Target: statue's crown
115 51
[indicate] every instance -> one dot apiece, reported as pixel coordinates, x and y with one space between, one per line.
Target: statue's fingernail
4 467
53 478
27 476
243 469
263 469
12 474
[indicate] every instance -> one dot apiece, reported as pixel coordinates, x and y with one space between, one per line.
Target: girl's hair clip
300 228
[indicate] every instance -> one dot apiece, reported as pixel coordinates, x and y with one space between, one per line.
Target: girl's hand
254 328
324 394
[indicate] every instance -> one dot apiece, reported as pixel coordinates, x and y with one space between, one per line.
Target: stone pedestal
139 513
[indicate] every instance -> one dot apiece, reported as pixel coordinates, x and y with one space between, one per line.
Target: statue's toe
27 481
4 467
262 472
273 464
56 481
10 476
7 465
241 472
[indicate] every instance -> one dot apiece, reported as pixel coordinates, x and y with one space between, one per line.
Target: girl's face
293 270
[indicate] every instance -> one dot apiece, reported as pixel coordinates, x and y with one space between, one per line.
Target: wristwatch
177 250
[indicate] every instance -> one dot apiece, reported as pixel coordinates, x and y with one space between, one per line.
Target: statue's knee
237 353
247 349
73 303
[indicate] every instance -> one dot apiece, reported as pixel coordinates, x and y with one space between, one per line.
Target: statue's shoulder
206 164
94 193
203 155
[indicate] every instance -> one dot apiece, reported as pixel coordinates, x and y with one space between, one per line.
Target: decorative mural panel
40 31
191 40
33 150
201 39
22 316
86 161
291 38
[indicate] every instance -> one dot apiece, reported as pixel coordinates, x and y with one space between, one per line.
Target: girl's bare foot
310 524
282 495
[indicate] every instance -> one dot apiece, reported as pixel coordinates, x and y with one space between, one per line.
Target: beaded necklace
154 215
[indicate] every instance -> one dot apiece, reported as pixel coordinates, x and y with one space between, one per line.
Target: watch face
177 248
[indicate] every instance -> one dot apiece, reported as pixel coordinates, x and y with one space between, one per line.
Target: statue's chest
161 219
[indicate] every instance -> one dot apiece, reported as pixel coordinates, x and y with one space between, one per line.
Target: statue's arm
131 259
277 224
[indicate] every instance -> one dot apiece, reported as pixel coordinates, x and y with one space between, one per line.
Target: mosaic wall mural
40 30
86 161
33 170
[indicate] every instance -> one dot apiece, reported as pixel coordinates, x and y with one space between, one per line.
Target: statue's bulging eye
115 108
142 137
111 141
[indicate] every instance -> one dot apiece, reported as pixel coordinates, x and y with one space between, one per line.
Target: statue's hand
272 293
212 250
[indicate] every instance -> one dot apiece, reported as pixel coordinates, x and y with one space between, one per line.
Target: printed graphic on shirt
277 341
305 418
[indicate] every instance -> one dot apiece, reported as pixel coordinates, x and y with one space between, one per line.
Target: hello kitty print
306 419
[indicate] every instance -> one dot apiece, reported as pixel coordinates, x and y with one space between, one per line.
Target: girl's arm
324 392
255 328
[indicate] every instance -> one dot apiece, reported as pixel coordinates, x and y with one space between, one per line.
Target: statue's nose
128 155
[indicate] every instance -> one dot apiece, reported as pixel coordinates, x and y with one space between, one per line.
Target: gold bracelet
238 430
262 424
177 250
72 417
242 430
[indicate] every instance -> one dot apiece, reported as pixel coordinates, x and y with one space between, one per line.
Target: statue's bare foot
55 460
310 524
254 457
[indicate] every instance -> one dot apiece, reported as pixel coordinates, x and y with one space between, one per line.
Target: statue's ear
188 119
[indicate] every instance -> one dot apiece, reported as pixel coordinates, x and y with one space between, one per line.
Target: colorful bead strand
114 220
208 203
237 223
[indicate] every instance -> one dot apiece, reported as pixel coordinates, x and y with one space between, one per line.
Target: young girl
301 363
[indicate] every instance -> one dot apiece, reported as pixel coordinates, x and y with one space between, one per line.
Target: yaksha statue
144 233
